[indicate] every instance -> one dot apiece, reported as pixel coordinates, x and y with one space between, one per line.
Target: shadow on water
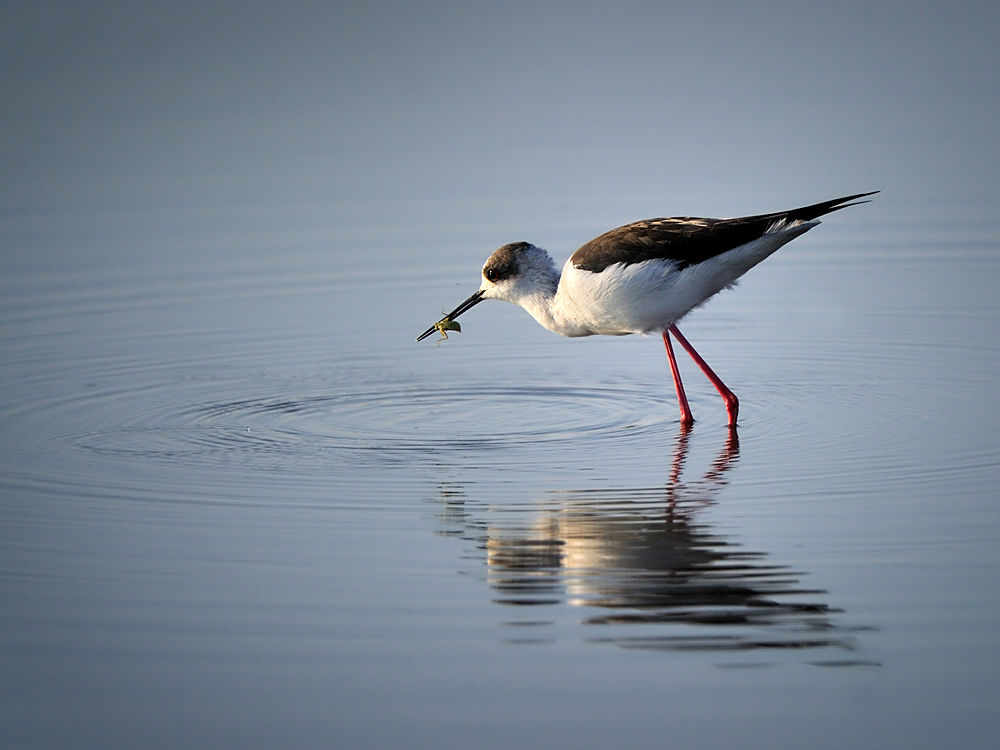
663 579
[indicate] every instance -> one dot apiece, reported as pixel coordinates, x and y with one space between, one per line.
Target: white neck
537 289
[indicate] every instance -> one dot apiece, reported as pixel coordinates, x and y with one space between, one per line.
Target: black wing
687 240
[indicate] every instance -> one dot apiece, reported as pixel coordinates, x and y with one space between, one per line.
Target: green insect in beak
444 325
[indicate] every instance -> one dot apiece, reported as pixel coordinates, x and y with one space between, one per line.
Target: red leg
686 417
732 403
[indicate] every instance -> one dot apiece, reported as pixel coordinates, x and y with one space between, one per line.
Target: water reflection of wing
643 554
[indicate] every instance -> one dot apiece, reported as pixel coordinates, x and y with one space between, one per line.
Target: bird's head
519 272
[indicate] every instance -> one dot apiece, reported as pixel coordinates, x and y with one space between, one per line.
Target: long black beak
474 300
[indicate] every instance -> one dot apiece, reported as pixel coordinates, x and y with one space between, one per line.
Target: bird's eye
492 274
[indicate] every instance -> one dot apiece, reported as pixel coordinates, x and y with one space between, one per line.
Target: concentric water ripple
383 420
322 423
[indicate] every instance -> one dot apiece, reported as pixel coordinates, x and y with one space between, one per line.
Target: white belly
649 296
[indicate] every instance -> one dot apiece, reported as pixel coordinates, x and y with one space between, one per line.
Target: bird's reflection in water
643 557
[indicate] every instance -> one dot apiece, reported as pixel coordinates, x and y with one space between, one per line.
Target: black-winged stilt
641 278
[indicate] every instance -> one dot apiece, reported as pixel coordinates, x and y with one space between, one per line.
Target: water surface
240 501
241 507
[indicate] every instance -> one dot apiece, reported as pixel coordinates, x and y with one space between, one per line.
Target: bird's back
687 240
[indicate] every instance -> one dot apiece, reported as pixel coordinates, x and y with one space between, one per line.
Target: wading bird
641 278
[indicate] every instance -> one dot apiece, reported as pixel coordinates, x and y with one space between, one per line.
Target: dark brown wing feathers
686 240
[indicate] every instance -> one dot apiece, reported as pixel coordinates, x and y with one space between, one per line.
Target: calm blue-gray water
241 507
